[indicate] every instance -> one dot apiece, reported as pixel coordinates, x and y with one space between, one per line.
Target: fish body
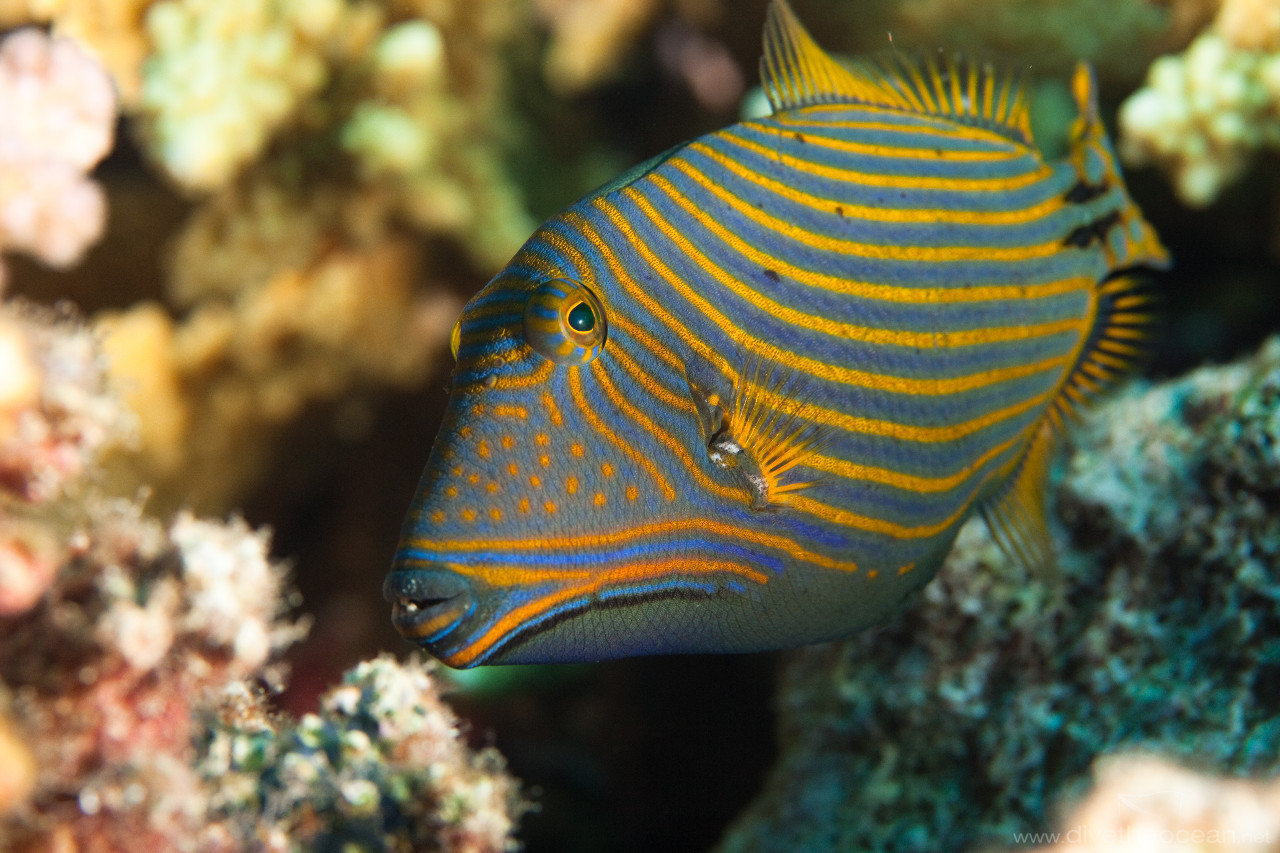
745 396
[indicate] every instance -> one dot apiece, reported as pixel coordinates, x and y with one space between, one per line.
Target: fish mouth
426 604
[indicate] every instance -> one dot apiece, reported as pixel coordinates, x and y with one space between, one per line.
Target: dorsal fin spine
797 73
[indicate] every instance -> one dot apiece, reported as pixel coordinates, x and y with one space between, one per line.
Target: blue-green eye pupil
582 318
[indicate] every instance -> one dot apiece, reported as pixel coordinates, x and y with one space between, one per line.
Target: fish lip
427 604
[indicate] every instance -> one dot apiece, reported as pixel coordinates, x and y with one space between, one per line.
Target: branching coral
127 717
960 722
59 121
409 93
1204 114
323 138
226 76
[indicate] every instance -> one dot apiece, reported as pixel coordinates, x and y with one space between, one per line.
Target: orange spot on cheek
437 516
873 573
469 515
491 487
542 439
524 504
473 479
606 469
483 450
535 481
599 498
576 450
451 492
513 469
549 506
632 493
544 460
507 441
571 485
904 569
495 514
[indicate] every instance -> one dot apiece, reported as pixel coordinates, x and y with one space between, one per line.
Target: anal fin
1016 514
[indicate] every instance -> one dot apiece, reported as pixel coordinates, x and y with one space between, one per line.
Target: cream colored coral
233 589
226 75
1143 804
1204 114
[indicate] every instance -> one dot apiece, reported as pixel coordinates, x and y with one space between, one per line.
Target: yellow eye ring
565 322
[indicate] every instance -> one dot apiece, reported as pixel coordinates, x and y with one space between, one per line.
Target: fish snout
428 603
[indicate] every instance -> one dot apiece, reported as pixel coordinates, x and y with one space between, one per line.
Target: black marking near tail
1083 191
1095 232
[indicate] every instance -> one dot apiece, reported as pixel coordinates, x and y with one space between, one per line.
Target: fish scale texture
985 703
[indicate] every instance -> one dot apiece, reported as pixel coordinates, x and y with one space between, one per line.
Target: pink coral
59 112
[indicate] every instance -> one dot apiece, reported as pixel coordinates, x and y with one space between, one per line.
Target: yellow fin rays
776 439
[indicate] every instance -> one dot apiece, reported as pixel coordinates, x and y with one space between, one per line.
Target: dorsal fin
796 73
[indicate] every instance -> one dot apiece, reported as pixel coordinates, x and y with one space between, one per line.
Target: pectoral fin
757 425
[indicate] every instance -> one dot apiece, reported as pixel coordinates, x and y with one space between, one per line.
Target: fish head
552 521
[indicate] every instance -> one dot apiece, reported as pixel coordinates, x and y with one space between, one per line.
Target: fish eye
581 317
565 322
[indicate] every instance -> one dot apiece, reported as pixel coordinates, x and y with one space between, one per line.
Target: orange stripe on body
575 386
895 181
818 323
651 531
1020 216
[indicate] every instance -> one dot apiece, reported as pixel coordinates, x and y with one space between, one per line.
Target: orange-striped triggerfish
744 396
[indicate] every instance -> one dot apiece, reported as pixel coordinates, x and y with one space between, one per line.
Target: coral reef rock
988 699
134 655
